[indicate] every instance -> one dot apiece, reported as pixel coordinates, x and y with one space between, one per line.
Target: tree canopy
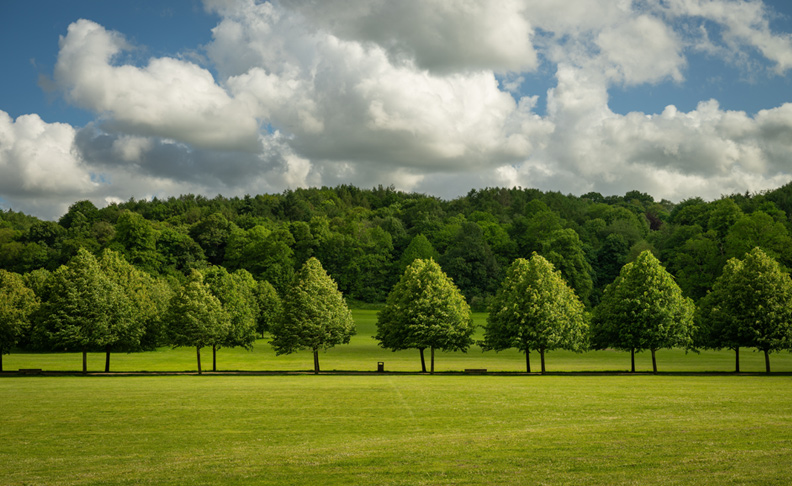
425 310
643 309
17 303
314 315
750 306
535 310
196 317
85 309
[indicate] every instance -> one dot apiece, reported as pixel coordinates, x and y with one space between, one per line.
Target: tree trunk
654 362
316 361
632 360
423 361
432 372
541 355
767 360
214 357
85 361
527 361
198 353
107 359
737 359
1 359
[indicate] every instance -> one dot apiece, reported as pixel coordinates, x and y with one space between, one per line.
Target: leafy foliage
85 309
535 310
17 303
196 317
643 309
315 315
425 310
750 306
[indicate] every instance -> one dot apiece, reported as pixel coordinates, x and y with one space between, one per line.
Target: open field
396 429
362 354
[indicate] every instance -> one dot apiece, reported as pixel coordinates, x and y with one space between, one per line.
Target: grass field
396 429
362 354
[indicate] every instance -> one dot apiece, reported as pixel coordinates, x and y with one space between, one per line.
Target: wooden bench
475 370
30 371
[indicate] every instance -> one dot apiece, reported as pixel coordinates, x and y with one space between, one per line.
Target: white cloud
167 98
744 24
39 165
407 93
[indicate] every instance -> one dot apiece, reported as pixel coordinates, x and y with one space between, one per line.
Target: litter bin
380 367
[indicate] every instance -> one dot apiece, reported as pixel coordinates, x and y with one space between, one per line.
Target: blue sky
143 99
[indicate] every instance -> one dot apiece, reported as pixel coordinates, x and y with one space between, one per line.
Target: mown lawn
363 354
396 429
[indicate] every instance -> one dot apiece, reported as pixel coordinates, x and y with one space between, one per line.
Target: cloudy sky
110 100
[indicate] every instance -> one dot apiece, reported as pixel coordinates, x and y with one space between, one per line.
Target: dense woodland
365 238
149 267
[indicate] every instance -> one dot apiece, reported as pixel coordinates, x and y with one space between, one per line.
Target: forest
365 239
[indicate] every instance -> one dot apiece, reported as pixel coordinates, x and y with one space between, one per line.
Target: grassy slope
396 430
362 354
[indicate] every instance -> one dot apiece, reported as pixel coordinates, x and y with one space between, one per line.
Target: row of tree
108 304
365 238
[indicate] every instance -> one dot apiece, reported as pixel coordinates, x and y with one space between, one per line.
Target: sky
108 101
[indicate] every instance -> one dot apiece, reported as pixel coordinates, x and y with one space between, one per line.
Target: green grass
362 354
396 429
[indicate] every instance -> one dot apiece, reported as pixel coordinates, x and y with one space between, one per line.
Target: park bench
475 370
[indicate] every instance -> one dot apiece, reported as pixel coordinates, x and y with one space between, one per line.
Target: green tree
759 229
196 317
137 241
419 248
269 306
149 297
315 315
235 293
425 310
85 309
750 306
535 309
469 261
643 309
17 303
564 250
212 234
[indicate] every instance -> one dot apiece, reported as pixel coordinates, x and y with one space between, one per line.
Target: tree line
364 238
106 303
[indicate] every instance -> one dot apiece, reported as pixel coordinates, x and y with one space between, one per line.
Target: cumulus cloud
39 166
167 98
423 94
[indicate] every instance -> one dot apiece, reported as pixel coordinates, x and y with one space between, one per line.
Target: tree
17 303
269 305
315 315
535 309
758 229
196 317
750 306
149 297
137 241
235 293
419 248
469 261
425 310
212 234
642 309
564 250
84 309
